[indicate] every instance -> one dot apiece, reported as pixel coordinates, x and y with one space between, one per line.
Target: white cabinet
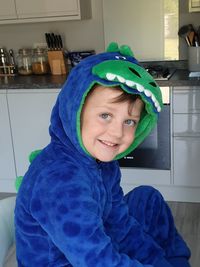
30 118
7 10
194 5
47 8
186 136
19 11
7 166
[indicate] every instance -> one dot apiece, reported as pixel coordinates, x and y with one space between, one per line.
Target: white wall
77 35
84 34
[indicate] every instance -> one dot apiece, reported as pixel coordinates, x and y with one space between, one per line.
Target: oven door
154 152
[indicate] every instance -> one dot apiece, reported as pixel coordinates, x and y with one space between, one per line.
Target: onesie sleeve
63 205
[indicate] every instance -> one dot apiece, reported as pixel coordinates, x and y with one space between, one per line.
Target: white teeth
121 79
147 93
107 143
110 76
129 83
153 98
140 88
159 109
156 104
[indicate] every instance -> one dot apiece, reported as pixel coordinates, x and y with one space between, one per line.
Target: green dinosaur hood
116 67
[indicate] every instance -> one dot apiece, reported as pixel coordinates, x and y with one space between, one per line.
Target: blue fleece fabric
71 210
179 262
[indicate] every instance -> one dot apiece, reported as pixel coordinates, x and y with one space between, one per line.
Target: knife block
57 62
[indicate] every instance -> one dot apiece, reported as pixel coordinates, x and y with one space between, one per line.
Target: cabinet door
30 119
7 167
186 125
186 100
194 5
186 161
7 9
47 8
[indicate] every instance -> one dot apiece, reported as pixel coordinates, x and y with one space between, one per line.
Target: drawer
186 124
186 161
186 100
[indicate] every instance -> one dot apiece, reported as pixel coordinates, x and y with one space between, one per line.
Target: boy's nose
116 130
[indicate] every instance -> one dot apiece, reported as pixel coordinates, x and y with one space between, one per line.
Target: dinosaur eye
153 84
135 72
120 57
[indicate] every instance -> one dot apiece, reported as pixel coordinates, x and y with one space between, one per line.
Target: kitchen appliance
159 72
154 152
76 56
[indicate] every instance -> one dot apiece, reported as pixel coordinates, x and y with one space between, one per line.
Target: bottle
40 63
13 69
3 62
24 61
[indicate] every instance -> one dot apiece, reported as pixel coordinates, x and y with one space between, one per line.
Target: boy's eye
105 116
130 122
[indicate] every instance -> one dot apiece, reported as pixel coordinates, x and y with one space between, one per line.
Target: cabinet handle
187 134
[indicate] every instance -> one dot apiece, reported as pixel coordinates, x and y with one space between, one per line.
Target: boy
70 209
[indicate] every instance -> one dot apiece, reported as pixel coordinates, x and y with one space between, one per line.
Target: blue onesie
70 209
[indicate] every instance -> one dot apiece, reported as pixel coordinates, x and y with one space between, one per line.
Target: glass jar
40 63
3 61
24 61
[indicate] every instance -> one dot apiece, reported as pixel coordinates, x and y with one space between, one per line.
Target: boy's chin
105 159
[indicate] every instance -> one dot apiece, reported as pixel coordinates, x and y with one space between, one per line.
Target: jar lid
39 51
25 51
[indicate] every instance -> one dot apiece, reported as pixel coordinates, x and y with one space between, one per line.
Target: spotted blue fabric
71 211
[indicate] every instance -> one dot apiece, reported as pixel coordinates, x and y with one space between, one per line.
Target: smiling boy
108 123
70 209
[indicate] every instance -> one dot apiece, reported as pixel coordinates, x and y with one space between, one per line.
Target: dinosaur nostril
135 72
153 84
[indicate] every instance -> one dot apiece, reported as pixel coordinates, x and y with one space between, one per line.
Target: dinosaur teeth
110 76
129 83
147 93
139 87
159 109
121 79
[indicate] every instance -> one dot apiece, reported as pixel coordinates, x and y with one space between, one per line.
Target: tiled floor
187 219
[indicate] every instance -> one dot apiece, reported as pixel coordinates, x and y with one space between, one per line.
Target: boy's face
107 128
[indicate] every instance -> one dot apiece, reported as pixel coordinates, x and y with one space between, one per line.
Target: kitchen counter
32 82
179 78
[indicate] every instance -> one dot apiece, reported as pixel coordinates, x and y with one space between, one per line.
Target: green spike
112 47
125 50
33 155
18 182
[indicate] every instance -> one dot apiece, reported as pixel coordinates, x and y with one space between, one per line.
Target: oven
154 152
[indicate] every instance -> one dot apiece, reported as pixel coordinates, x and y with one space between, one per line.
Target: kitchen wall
84 34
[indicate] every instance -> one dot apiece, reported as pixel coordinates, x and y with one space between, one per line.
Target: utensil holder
57 62
194 58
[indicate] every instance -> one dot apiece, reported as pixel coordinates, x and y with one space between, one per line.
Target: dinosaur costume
70 208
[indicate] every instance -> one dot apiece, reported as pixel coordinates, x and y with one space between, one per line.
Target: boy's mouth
107 143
